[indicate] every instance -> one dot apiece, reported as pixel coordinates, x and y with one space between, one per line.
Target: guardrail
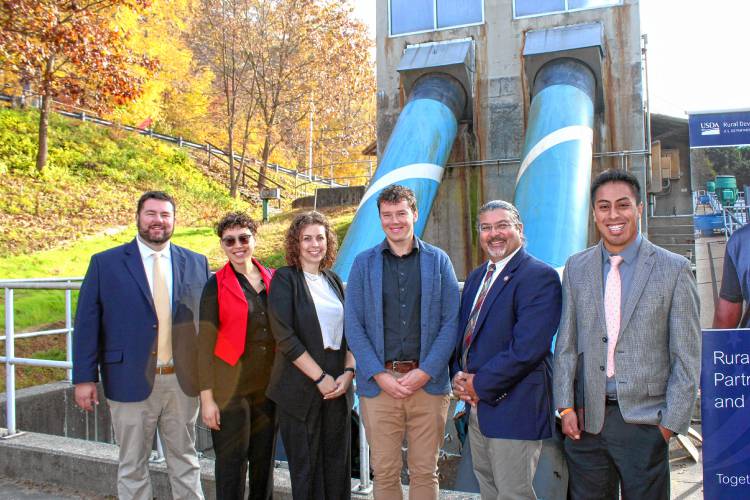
734 218
10 359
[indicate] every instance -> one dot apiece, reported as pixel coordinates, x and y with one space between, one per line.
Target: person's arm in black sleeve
208 327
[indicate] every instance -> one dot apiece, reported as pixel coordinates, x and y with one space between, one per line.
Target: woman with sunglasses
312 374
235 356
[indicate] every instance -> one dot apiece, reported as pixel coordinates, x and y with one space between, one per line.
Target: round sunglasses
229 241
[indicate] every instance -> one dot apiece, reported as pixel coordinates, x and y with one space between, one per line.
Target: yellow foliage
177 97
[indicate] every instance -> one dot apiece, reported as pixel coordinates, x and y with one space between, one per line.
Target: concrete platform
88 471
74 468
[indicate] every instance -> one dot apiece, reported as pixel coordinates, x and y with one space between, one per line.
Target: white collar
147 251
500 265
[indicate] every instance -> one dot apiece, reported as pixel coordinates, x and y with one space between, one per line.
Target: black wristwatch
350 369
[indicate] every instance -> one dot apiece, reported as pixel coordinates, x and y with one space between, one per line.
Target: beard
155 233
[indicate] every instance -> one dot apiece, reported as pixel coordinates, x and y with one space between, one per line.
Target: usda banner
725 408
716 129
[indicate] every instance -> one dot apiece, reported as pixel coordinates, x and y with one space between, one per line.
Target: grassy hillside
91 182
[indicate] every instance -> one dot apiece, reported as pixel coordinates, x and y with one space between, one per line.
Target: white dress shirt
147 256
499 266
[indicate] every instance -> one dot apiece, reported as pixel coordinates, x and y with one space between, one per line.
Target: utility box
270 194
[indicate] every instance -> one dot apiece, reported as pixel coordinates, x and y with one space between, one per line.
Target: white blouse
329 309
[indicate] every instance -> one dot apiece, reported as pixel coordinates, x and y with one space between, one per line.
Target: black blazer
295 327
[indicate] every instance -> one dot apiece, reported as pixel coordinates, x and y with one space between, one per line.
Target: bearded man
136 325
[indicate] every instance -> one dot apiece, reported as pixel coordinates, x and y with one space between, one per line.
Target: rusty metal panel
666 165
674 155
453 57
584 42
655 185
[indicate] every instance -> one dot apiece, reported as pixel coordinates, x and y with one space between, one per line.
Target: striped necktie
475 311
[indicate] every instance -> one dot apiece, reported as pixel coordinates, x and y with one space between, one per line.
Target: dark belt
610 401
165 370
401 366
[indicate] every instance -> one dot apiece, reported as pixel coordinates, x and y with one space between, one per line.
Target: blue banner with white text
725 410
710 130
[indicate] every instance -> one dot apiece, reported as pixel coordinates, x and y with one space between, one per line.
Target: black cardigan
295 326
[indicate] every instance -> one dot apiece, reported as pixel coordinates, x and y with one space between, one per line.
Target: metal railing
734 218
10 359
68 285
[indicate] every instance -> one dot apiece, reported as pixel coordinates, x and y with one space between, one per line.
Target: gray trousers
135 425
505 468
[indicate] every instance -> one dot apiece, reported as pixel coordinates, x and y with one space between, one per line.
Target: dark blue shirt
402 294
735 279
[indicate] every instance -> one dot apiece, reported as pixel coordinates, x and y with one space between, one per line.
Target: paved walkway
14 489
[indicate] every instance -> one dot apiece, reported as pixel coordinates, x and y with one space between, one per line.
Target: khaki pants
505 468
421 419
135 425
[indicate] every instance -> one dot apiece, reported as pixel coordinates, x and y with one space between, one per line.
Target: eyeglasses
229 241
500 226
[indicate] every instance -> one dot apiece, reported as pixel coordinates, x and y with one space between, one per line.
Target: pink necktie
612 310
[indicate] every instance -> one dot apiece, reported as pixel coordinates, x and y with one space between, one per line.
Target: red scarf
233 312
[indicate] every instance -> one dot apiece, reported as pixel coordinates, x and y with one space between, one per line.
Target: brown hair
396 193
236 219
291 241
155 195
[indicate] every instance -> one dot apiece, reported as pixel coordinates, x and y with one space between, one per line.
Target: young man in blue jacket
401 314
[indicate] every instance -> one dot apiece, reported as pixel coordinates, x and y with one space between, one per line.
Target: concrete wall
501 101
51 409
332 197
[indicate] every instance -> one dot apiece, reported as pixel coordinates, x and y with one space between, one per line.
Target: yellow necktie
163 312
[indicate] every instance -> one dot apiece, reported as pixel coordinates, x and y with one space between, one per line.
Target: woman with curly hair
312 375
235 356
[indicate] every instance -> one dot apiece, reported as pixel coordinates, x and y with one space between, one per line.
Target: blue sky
697 53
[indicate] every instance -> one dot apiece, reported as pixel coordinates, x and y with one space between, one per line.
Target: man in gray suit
627 358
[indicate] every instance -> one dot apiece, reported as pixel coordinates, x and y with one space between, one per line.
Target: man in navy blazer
400 318
147 365
510 310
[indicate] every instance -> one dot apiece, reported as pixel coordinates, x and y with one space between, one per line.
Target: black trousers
632 456
319 448
247 436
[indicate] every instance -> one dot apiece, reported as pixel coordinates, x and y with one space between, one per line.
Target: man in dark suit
136 324
628 351
510 309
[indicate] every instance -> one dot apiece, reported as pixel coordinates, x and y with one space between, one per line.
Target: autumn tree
227 29
70 49
343 106
176 98
308 55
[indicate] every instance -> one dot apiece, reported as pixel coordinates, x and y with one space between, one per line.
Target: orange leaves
69 49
